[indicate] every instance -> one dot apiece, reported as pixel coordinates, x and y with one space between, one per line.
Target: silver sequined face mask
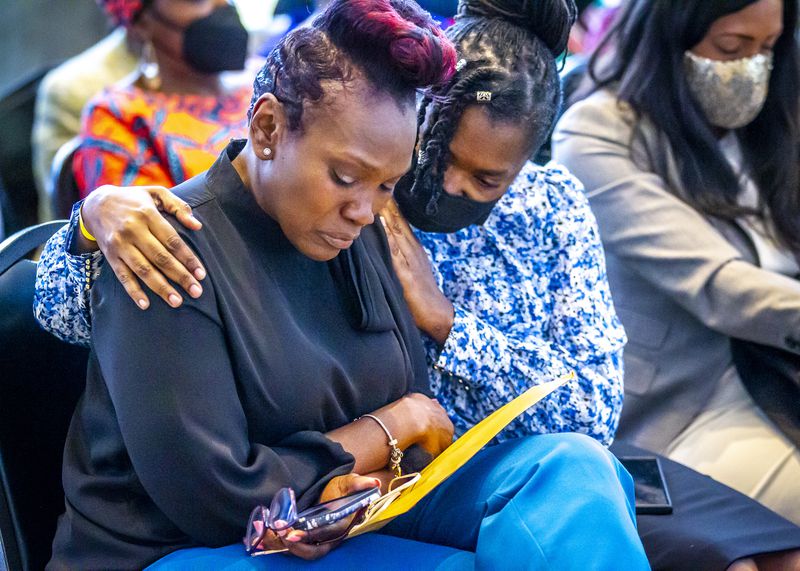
731 93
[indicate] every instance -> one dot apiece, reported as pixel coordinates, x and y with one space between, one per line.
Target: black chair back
63 189
20 201
41 381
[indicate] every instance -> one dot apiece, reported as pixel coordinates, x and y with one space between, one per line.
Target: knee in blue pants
556 501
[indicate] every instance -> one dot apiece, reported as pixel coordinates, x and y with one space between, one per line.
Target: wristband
82 226
396 454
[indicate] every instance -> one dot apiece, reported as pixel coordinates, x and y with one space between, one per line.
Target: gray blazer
682 283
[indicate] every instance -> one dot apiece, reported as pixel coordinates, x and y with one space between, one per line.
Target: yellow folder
455 456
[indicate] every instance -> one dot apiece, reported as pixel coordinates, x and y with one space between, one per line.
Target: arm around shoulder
63 282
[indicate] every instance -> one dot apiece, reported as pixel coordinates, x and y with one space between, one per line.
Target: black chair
2 208
20 204
62 188
41 381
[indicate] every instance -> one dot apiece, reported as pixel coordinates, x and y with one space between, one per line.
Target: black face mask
214 43
217 42
454 213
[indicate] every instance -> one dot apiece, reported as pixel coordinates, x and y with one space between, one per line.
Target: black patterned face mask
452 213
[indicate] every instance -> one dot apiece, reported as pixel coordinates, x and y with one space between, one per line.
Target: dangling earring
148 67
267 152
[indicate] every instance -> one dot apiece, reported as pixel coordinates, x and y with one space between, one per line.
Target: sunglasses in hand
324 523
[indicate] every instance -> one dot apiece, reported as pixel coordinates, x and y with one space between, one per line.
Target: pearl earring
267 152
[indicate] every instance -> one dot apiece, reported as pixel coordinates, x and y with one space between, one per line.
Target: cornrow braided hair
512 58
446 111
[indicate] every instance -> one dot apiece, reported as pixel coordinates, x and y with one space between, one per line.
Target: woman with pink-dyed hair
300 365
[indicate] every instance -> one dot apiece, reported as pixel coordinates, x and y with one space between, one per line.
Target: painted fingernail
174 300
195 290
200 274
142 303
377 482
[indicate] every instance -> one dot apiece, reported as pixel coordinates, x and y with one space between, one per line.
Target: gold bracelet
82 226
396 455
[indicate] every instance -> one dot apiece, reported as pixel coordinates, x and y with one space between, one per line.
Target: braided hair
393 44
507 51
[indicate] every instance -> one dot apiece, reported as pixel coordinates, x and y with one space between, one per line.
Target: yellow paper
458 453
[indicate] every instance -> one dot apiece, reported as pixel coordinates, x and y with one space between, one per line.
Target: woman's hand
435 429
414 419
347 484
432 311
417 419
384 476
296 541
137 241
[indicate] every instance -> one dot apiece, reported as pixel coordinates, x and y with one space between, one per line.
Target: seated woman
519 258
687 147
518 293
482 269
301 329
170 120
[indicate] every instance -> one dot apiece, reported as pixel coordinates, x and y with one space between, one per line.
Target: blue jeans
555 501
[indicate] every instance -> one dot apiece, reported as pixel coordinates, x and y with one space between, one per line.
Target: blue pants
542 502
556 501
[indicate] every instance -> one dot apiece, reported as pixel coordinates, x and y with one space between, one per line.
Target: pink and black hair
395 45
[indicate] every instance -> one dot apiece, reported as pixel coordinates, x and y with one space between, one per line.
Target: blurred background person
594 20
66 90
174 116
688 149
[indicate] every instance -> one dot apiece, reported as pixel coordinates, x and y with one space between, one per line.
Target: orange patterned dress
135 137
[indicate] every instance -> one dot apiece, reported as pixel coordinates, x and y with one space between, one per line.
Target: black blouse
192 416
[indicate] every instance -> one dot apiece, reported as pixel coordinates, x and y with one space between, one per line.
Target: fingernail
174 300
142 303
377 482
195 290
294 538
200 274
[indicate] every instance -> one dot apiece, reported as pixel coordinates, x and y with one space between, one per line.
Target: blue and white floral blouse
531 300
